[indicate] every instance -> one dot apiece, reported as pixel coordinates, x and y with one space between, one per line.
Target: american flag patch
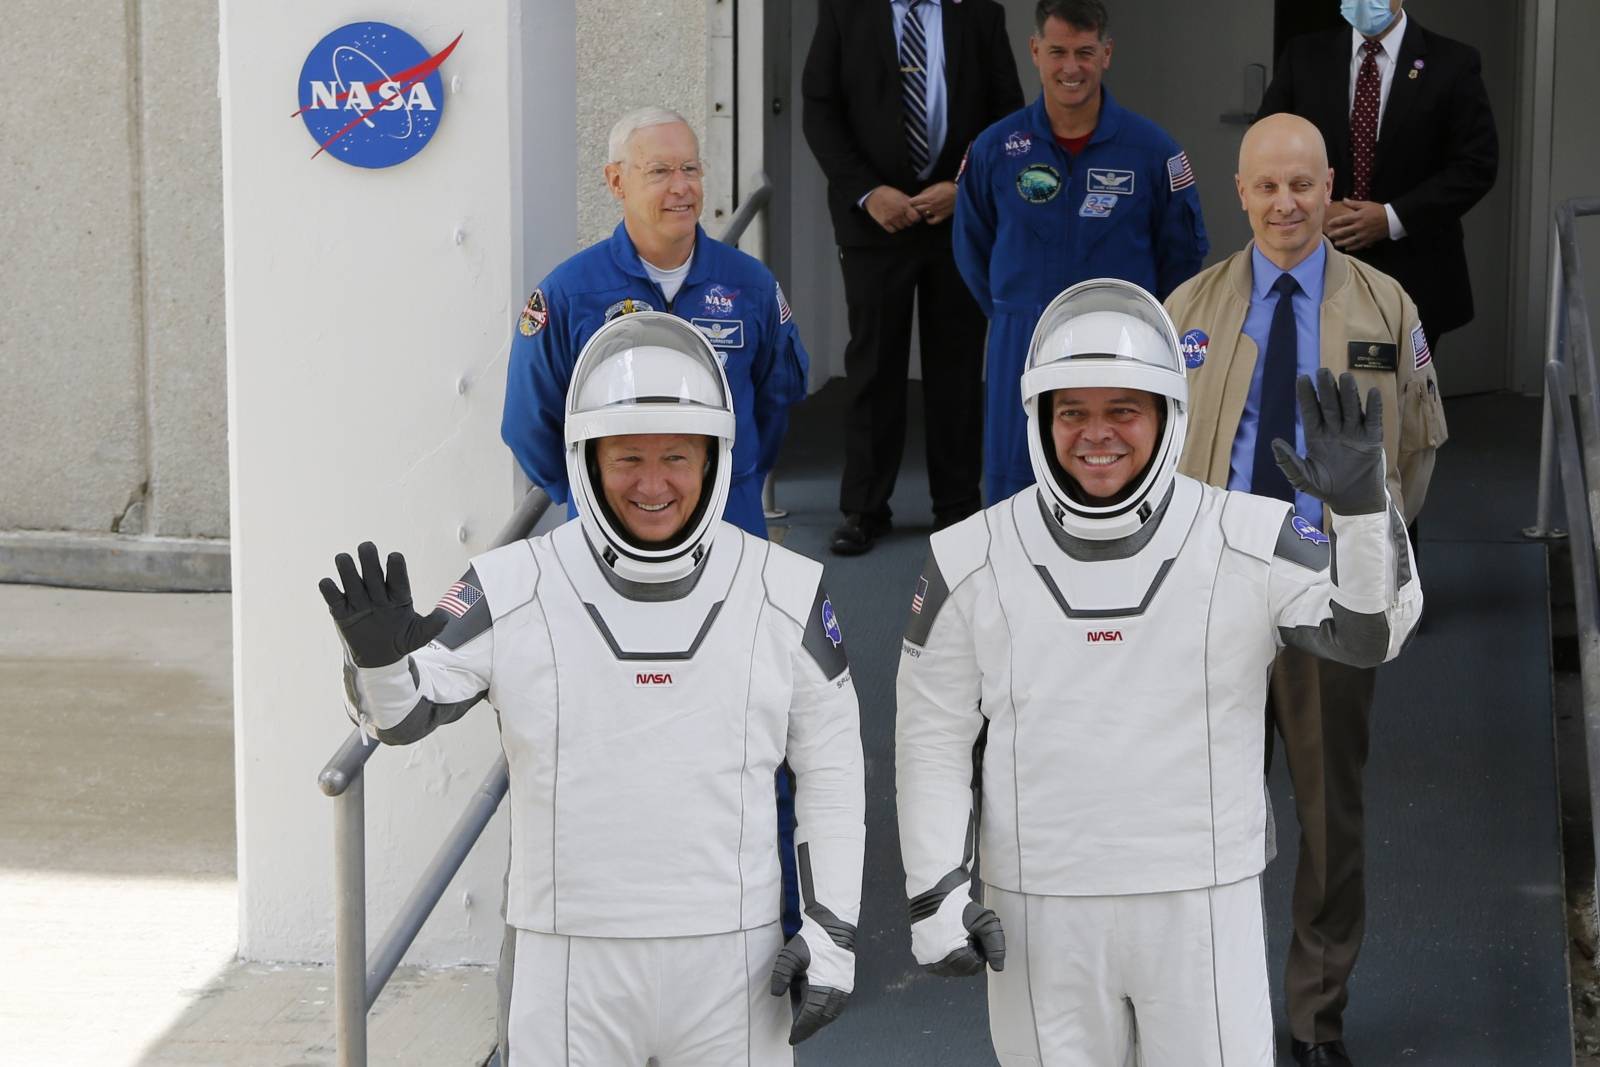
1179 174
1419 345
919 596
459 598
784 314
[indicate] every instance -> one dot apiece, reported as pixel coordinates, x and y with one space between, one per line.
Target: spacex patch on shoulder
724 333
1373 355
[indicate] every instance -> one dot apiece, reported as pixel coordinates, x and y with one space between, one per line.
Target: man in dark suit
1398 197
1412 144
894 92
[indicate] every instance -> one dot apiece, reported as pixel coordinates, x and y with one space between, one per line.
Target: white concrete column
369 314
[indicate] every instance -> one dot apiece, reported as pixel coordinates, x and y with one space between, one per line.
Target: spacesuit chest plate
655 771
1126 710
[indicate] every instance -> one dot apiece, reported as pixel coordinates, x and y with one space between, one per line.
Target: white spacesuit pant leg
661 1002
717 1009
1201 994
1158 979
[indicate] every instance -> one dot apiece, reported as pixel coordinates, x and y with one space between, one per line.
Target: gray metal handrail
754 204
359 980
1567 328
1572 447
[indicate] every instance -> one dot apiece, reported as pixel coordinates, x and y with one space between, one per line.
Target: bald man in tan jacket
1346 316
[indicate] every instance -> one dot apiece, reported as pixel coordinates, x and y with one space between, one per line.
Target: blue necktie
1276 414
914 87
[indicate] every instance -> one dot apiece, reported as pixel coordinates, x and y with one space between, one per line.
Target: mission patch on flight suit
823 638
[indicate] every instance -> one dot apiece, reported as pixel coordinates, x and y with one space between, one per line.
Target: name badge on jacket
1372 355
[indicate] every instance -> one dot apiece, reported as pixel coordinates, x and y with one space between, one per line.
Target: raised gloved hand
1343 465
825 979
375 616
957 935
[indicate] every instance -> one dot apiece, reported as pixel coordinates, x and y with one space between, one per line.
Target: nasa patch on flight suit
1098 205
1106 180
1373 355
1038 183
722 333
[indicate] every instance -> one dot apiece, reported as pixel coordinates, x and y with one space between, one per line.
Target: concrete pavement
118 898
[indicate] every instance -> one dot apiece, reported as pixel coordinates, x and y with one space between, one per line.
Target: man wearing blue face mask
1412 145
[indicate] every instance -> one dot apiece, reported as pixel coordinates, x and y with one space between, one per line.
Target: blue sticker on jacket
1193 346
1097 206
1308 532
830 624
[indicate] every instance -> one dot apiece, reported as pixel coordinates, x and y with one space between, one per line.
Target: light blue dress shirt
933 32
1308 357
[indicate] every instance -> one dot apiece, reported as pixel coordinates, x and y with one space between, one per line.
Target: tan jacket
1364 313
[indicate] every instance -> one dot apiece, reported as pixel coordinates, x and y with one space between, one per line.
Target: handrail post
1541 528
350 923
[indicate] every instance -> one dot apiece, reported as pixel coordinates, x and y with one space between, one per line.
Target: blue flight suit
737 303
1031 220
733 299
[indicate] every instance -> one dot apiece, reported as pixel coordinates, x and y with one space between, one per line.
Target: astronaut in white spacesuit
651 665
1110 632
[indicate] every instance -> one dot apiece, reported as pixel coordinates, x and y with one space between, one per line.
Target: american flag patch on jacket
459 598
1179 174
784 314
919 596
1419 345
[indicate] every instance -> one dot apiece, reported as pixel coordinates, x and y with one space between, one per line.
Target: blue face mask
1369 17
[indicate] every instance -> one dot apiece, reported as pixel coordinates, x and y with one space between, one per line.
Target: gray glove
375 616
818 1005
986 943
1343 464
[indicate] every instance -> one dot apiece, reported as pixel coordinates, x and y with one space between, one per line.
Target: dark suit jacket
853 117
1436 157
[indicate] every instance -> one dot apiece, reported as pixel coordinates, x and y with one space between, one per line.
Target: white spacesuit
1113 655
646 693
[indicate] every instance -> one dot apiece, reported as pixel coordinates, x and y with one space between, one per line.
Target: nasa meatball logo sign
371 95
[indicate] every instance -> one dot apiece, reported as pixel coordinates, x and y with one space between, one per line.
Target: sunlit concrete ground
118 898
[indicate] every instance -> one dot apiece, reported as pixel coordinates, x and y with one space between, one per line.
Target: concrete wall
633 55
366 363
111 338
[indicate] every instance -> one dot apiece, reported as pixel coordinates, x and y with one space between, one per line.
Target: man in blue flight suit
658 259
1071 187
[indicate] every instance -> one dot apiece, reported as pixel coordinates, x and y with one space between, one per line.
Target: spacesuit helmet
648 373
1105 333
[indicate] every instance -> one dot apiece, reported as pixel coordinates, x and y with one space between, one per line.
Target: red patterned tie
1364 123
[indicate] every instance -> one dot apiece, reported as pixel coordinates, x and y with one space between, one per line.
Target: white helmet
648 373
1104 333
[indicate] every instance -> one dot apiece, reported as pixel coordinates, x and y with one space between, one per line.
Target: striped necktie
914 86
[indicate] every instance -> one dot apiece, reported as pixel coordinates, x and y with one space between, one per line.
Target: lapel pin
1413 74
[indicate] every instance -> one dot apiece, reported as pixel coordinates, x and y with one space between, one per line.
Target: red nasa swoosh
406 78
